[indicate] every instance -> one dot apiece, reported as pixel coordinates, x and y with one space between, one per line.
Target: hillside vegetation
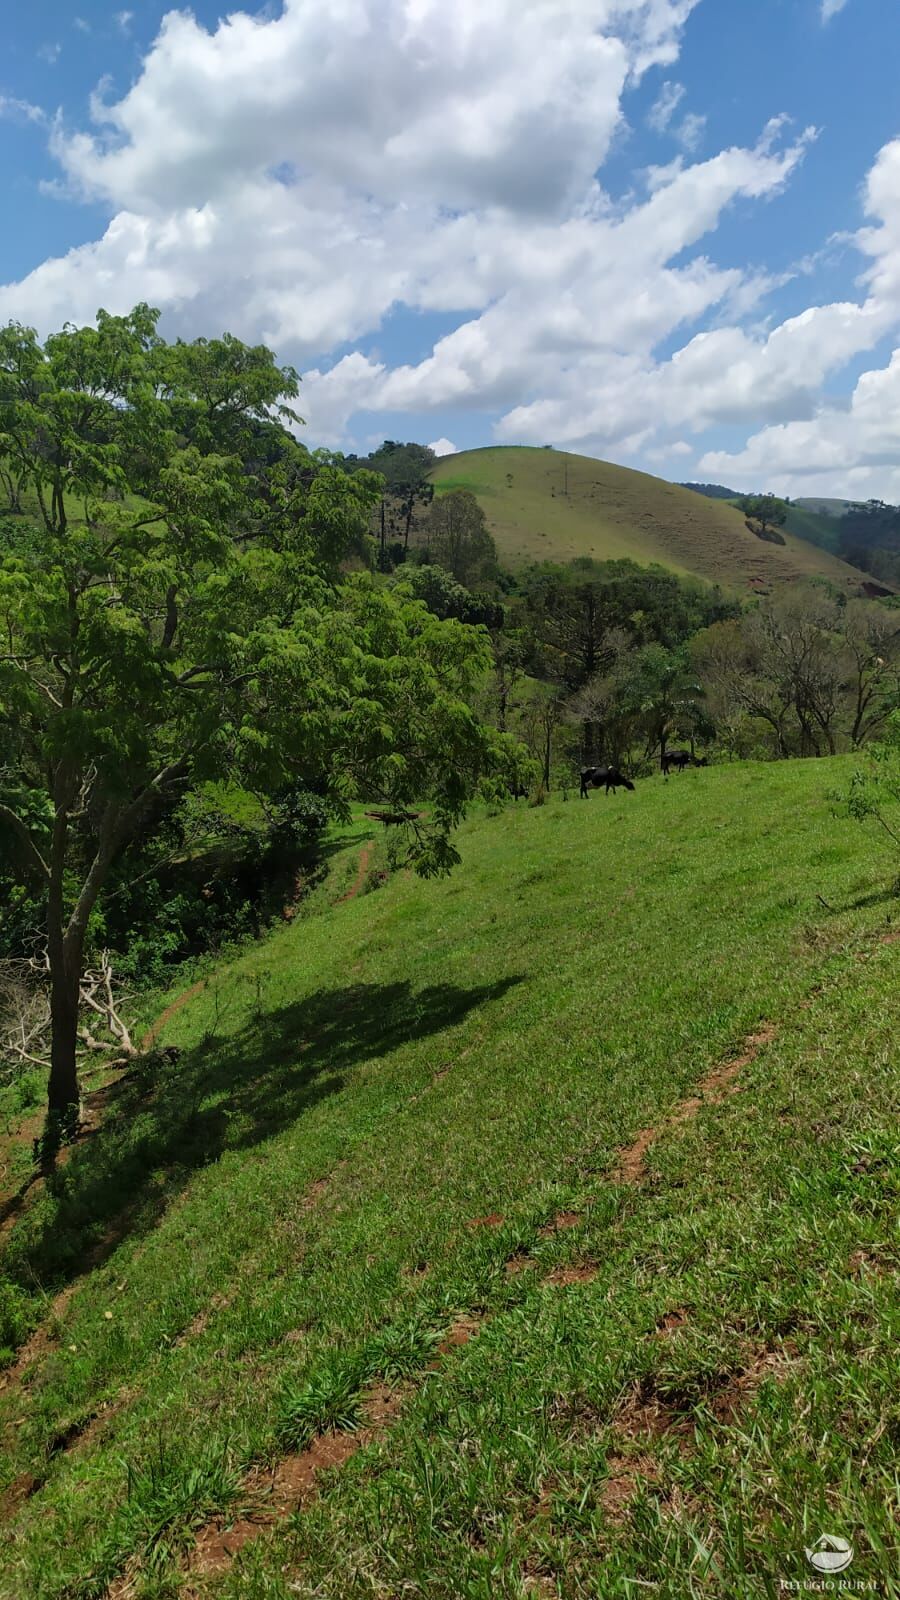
526 1232
547 505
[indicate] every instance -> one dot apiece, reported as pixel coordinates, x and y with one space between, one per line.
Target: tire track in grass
275 1492
290 1484
716 1086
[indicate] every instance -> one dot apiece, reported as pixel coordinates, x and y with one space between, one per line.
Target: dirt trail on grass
172 1010
272 1493
358 882
41 1340
646 1417
718 1084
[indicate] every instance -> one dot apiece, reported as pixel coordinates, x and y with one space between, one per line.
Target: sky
661 232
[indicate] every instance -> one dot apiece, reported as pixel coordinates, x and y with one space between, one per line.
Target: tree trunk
65 984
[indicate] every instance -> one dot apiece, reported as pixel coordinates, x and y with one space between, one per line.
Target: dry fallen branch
25 1013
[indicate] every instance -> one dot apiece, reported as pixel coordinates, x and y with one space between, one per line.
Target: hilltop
522 1233
549 505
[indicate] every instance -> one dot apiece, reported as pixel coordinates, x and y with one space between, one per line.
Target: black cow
603 778
679 759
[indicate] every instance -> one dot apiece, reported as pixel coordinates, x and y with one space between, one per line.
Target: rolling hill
488 1236
548 505
817 527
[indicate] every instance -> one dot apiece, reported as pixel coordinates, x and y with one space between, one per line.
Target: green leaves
874 790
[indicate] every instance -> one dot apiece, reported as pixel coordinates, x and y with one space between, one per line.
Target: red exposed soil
199 1323
15 1495
274 1492
867 1261
536 1583
583 1272
520 1262
671 1322
493 1220
459 1333
770 1361
40 1341
96 1423
626 1474
562 1221
643 1419
718 1084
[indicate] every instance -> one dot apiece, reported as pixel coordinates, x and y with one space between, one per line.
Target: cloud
443 447
14 110
488 105
847 450
665 105
50 53
300 177
123 20
81 24
830 8
854 444
661 117
690 131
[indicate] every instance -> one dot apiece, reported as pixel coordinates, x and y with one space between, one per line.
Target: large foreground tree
182 617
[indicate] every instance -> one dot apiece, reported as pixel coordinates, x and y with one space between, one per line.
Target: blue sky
662 231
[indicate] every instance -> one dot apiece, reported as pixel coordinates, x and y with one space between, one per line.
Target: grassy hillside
817 526
824 507
525 1233
547 505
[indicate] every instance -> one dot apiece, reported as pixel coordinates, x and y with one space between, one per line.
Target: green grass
282 1219
817 527
546 505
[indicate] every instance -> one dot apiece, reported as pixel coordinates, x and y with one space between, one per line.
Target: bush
874 792
15 1319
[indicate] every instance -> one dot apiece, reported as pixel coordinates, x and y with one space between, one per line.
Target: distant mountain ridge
713 491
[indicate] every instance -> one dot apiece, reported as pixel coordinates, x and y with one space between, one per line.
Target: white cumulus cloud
443 447
299 176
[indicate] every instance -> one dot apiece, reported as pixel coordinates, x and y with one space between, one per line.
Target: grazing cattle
679 759
603 778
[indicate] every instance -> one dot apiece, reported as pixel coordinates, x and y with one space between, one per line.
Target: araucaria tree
181 616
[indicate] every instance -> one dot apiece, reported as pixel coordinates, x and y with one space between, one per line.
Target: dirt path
718 1084
172 1010
358 882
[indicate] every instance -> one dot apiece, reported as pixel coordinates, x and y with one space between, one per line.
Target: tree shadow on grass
225 1094
878 897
